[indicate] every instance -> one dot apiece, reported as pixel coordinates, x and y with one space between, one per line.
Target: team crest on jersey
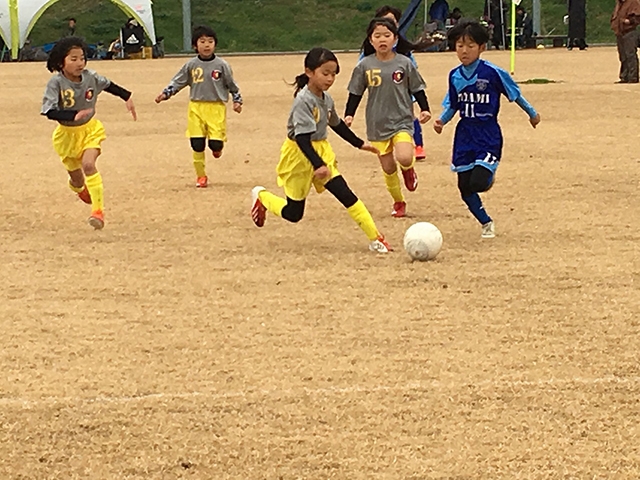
89 94
482 84
216 74
316 114
398 76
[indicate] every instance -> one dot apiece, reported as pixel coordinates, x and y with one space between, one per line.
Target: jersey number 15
373 77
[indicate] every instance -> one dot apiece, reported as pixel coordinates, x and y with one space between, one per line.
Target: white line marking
413 386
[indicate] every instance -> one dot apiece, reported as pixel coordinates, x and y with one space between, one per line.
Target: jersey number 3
197 75
68 98
373 77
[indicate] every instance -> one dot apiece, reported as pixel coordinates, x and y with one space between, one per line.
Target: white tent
17 18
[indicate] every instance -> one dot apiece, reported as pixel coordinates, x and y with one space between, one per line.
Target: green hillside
277 25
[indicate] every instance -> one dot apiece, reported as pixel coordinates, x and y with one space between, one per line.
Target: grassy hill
278 25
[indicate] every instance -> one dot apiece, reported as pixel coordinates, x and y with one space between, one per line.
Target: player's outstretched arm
131 108
352 105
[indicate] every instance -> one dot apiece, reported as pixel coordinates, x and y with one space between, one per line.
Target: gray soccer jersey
311 114
390 85
64 94
210 81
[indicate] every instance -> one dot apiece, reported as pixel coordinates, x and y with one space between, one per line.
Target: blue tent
409 15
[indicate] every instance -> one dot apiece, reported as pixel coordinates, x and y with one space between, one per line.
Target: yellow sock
393 185
198 164
362 217
75 189
271 202
413 162
96 190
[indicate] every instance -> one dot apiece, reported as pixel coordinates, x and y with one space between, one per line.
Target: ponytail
300 82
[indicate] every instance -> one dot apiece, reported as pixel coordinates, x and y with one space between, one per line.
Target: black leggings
198 144
478 179
293 211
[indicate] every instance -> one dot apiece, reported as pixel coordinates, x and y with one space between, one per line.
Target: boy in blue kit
475 87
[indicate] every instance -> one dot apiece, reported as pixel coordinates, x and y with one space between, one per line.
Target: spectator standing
624 20
577 24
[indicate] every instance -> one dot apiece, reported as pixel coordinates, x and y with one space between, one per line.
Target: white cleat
258 210
488 230
380 245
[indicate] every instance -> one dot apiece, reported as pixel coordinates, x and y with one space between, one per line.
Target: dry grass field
181 342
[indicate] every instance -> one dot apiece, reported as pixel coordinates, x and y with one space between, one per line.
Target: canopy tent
17 18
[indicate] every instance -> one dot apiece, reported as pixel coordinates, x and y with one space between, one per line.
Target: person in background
577 24
624 20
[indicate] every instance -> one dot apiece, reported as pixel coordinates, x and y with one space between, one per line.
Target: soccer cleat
85 196
488 230
96 220
380 245
202 182
419 153
410 179
399 209
258 210
217 154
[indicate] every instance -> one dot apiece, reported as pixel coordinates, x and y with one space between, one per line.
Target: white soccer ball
423 241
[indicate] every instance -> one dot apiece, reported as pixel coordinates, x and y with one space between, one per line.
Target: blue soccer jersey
474 92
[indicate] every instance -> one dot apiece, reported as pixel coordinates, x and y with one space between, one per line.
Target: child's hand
438 126
424 117
161 98
348 120
370 148
321 173
82 114
535 121
237 107
131 109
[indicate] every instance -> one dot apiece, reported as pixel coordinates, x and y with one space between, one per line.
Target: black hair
471 28
403 46
316 57
385 9
202 31
72 19
61 49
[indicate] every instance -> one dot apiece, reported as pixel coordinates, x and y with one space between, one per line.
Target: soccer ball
423 241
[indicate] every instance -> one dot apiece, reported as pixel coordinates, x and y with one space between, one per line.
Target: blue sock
475 206
417 133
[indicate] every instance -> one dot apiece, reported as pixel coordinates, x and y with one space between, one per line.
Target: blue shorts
470 159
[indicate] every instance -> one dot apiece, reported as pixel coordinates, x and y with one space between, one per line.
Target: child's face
382 39
323 76
468 50
74 63
205 46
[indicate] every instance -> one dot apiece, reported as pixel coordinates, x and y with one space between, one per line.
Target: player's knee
197 144
293 211
481 179
216 145
339 189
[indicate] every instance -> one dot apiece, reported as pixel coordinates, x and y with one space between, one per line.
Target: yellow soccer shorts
295 172
386 146
71 142
208 120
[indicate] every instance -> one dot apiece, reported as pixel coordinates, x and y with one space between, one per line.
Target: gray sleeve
51 99
102 83
179 81
416 82
302 117
358 82
231 84
334 118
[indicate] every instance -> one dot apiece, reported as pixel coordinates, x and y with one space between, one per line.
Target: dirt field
183 342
